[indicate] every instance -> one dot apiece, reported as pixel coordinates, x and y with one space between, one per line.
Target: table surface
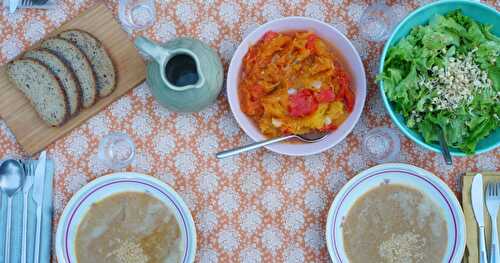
258 207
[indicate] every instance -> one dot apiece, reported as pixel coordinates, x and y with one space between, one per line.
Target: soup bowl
108 185
400 174
349 57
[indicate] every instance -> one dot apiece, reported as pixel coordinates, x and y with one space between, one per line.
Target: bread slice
41 88
99 59
62 73
79 64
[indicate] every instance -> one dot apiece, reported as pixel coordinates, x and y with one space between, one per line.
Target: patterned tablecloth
259 207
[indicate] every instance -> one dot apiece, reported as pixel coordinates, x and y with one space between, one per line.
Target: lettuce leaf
428 46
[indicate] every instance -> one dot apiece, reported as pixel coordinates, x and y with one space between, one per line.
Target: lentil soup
394 223
129 227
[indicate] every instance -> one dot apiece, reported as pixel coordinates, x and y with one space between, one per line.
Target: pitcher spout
152 49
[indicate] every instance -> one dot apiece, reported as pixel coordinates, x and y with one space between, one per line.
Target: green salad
447 74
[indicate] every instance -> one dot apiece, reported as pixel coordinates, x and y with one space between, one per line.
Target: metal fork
28 3
30 174
493 204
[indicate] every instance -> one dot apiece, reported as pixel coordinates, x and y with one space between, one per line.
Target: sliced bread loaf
79 64
62 73
42 88
99 59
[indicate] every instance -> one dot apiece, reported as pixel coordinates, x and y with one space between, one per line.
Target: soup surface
395 223
129 227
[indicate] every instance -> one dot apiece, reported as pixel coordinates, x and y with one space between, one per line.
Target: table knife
13 5
37 196
477 196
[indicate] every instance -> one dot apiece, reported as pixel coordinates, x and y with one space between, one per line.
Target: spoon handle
38 233
444 147
252 146
8 229
25 226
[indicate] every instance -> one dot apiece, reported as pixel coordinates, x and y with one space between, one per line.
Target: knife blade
37 196
13 5
477 196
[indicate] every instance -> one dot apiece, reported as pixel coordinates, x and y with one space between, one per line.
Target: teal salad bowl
481 13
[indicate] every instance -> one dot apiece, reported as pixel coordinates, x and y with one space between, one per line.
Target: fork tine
29 167
490 189
32 167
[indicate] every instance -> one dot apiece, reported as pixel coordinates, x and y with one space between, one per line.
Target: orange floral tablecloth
259 207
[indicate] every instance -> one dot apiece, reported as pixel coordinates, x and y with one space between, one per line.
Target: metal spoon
308 137
444 147
11 180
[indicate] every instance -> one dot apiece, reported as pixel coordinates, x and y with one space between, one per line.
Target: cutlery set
14 4
492 197
26 176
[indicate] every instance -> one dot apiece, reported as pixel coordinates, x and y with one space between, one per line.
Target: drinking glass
377 22
116 150
137 14
381 145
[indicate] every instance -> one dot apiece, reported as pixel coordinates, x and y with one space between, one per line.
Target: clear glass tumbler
381 145
377 22
137 14
116 150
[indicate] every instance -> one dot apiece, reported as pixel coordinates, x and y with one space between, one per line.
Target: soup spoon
308 137
11 180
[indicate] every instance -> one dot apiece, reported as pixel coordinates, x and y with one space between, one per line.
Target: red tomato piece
325 95
349 99
342 79
311 40
345 92
251 56
328 128
302 103
256 91
269 35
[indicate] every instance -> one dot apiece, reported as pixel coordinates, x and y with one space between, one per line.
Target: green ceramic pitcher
184 74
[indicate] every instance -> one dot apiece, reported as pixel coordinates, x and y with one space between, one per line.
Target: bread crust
60 90
72 76
87 63
100 46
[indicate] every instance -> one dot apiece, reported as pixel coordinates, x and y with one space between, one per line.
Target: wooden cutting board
30 131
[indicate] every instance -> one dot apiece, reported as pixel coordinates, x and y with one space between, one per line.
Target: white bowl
116 183
351 61
401 174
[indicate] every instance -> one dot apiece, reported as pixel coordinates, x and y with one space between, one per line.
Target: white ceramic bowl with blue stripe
108 185
399 174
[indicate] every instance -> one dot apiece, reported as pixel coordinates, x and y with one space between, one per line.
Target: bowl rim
118 177
428 176
320 146
402 127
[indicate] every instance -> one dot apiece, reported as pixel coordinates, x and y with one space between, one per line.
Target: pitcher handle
157 52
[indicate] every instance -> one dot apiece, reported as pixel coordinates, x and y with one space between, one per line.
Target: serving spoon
445 151
11 180
308 137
